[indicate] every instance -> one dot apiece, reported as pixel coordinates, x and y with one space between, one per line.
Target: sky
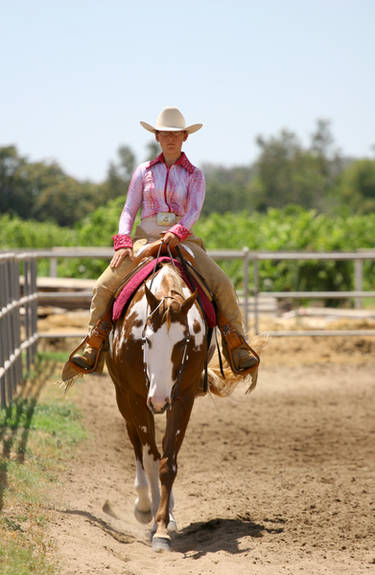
77 76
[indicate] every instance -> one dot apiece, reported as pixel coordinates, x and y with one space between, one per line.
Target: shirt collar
182 161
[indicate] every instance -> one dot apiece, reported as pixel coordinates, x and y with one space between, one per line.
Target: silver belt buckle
165 218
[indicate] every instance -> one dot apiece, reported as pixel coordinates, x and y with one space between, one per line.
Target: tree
67 201
21 182
15 195
287 173
153 150
356 190
273 183
226 189
119 174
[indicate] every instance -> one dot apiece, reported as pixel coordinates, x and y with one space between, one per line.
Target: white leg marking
152 467
142 502
172 526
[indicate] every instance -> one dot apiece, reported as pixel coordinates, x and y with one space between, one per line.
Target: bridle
145 342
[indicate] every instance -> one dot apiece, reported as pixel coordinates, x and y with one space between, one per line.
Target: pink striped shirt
156 188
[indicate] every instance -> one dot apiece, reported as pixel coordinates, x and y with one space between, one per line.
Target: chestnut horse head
156 359
166 337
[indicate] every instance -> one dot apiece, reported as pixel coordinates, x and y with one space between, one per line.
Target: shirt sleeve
195 200
133 202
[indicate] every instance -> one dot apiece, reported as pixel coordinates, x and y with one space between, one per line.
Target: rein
208 331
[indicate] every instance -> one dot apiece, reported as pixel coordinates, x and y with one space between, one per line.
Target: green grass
37 433
22 560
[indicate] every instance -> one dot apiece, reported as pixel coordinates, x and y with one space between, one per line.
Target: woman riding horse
170 192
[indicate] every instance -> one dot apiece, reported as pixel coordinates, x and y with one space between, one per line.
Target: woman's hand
120 255
171 239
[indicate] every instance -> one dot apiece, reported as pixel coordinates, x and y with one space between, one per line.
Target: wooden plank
69 284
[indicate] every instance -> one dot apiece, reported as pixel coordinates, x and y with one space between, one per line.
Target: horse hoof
160 544
142 516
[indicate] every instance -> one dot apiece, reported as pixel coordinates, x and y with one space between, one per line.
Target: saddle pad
135 281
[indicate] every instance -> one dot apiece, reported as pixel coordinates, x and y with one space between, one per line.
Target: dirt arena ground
280 481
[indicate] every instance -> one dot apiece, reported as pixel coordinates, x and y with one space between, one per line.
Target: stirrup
233 340
95 366
228 352
96 339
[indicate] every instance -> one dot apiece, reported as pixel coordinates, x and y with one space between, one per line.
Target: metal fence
357 294
18 311
18 321
251 297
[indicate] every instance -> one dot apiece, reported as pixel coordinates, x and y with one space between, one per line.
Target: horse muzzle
156 406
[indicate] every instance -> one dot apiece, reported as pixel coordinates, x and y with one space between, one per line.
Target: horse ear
189 302
152 300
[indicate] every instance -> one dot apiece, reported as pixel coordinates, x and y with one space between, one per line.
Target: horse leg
148 470
141 430
142 505
177 420
147 473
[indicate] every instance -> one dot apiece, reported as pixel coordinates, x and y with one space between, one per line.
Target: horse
156 358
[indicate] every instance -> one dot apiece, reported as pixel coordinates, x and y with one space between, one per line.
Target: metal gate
18 321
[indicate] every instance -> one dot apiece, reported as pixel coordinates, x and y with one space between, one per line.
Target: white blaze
159 360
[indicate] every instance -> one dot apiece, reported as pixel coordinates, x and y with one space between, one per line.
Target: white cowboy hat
171 120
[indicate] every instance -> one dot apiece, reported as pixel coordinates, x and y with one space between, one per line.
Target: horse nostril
165 406
150 406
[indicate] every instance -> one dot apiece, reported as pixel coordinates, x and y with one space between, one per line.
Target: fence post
34 307
2 334
256 295
29 289
245 252
358 281
53 268
9 345
13 333
26 291
9 330
16 290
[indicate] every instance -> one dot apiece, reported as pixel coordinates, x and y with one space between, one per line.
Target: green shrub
289 229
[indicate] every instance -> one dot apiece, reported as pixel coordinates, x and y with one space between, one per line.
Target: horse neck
171 288
171 283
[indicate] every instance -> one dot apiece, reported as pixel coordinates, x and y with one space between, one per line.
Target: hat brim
189 129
